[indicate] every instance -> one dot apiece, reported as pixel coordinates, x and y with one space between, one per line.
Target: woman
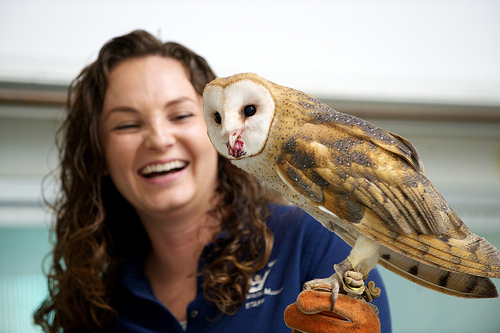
155 231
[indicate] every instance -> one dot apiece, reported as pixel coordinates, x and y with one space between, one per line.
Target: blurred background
428 70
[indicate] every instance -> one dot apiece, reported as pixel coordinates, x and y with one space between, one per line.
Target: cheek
198 137
117 153
204 152
207 163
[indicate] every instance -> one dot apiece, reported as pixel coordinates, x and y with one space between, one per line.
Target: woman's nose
159 136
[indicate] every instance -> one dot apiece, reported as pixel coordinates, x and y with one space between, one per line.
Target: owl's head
239 111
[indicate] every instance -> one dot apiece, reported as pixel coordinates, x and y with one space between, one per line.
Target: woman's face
155 140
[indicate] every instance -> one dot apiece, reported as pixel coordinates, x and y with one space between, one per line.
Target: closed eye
126 127
182 116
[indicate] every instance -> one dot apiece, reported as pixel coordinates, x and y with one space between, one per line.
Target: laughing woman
154 231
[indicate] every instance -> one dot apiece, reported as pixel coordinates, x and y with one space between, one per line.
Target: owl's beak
235 144
233 137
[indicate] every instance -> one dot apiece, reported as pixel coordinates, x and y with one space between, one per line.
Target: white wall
425 50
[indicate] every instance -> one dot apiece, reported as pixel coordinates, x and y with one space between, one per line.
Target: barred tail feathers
437 279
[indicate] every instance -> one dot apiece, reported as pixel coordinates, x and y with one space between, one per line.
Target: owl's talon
331 284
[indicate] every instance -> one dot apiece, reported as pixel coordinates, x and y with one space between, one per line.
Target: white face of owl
238 117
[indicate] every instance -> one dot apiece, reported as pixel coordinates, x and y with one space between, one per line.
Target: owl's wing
374 180
348 172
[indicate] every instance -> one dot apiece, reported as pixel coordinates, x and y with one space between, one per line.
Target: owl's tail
436 278
458 266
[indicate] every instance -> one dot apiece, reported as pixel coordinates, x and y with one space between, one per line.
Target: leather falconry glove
313 313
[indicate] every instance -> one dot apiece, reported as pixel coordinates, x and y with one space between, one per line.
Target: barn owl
361 182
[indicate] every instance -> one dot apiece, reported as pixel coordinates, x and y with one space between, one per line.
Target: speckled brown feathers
357 179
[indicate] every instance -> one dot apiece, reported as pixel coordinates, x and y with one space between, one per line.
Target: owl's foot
354 282
351 280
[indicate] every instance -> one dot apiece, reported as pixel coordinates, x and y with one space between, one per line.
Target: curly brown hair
91 239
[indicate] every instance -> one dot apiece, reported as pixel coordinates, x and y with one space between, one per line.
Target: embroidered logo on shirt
257 292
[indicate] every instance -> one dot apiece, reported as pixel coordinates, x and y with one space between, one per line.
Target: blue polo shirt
303 250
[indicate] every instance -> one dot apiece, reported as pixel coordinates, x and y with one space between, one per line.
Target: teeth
155 168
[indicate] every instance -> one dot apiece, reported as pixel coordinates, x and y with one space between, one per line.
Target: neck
172 264
177 240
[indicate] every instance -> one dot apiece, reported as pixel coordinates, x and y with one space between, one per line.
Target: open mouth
162 169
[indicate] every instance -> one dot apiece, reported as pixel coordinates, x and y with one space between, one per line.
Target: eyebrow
179 101
126 109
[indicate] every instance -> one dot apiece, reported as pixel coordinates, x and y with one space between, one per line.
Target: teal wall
22 285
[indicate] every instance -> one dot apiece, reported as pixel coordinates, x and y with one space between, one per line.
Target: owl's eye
217 117
249 110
